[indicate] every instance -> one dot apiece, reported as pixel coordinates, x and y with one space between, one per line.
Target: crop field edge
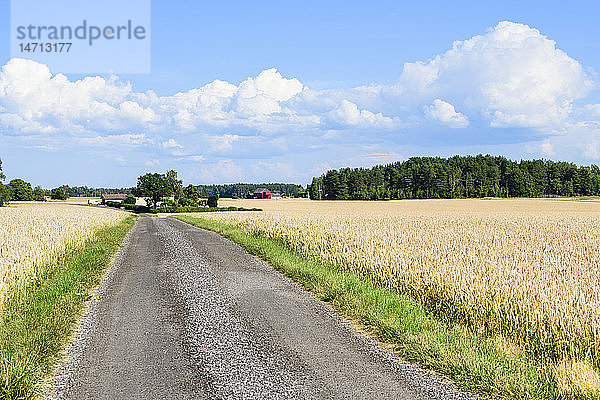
474 363
37 322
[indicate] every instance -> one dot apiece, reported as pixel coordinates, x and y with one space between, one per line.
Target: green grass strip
36 322
471 361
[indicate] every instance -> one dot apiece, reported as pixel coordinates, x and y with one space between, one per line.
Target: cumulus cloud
263 95
511 76
445 113
36 101
348 113
32 100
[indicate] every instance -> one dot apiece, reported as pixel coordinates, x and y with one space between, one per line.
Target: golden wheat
526 269
34 234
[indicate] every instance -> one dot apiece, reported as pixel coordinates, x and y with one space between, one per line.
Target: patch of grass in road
36 322
473 362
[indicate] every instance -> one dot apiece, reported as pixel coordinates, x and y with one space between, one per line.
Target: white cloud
171 144
592 150
152 163
137 114
262 95
348 113
36 101
548 149
445 113
511 76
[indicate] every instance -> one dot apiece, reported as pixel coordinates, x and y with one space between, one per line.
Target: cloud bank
512 76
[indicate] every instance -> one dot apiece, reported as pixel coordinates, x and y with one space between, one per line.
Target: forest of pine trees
457 177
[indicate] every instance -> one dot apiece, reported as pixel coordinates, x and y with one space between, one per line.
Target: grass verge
475 363
37 321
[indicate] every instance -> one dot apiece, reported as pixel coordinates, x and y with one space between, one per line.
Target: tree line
241 190
84 191
154 187
235 190
18 190
21 190
457 177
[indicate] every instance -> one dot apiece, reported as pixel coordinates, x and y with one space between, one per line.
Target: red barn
261 193
114 197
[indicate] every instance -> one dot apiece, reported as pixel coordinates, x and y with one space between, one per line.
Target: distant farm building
113 197
261 193
276 196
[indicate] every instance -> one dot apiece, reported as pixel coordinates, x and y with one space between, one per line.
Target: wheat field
526 269
34 234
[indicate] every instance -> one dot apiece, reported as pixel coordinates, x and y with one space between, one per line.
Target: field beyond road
523 272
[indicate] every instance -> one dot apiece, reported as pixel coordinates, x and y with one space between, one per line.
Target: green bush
212 200
129 200
131 207
38 194
20 190
59 193
167 203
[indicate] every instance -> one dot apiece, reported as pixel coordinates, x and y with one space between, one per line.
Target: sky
264 91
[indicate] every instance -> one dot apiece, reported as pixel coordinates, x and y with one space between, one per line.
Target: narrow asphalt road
186 314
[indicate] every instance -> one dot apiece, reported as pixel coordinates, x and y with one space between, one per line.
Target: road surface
186 314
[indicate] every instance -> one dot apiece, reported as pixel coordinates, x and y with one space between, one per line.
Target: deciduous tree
212 200
59 193
20 190
39 194
175 185
153 187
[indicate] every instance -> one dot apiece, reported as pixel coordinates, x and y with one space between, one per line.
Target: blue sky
276 92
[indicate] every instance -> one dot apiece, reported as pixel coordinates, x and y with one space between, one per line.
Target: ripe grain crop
34 234
527 270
